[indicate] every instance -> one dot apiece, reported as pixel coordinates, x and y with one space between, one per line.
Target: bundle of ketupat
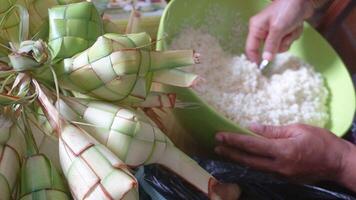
104 134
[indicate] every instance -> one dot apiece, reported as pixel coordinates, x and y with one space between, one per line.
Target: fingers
277 41
290 38
272 132
286 43
272 42
251 144
245 158
256 34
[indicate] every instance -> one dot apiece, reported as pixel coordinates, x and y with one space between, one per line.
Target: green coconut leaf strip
157 100
175 77
48 109
23 62
24 21
134 22
7 73
24 88
21 83
10 29
8 99
148 24
38 11
4 49
172 59
110 27
7 81
5 60
40 126
27 131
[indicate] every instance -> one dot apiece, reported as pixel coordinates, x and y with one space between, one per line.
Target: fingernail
267 56
219 137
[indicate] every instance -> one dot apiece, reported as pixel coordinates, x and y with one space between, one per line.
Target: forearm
348 172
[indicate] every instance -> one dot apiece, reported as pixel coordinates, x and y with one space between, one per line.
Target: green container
204 121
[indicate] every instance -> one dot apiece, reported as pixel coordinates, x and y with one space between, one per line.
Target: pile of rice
291 92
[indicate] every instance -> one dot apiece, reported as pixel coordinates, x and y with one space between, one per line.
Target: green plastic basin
203 121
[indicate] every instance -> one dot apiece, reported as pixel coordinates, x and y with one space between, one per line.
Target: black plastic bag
255 185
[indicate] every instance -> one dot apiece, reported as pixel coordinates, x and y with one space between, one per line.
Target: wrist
309 8
347 174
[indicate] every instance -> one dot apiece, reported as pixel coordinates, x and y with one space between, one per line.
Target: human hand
277 26
301 152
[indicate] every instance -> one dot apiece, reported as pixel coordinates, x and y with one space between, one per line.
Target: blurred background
336 21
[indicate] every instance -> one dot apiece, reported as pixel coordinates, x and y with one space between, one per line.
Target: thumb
272 44
268 131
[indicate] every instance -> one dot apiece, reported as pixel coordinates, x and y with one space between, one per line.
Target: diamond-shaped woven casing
112 69
40 180
92 171
73 28
118 67
133 138
129 135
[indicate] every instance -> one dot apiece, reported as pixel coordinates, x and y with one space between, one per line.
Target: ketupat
12 149
92 171
73 28
133 138
121 68
40 179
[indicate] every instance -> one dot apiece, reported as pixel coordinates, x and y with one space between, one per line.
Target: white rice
292 92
